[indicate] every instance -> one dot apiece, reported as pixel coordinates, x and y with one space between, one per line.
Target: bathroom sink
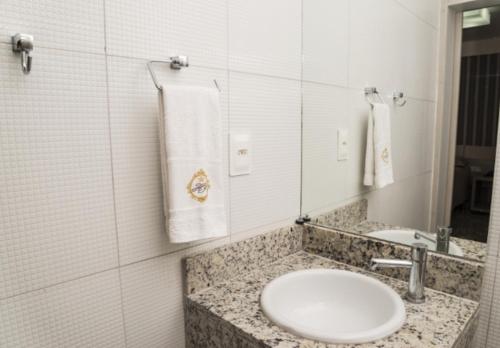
408 237
333 306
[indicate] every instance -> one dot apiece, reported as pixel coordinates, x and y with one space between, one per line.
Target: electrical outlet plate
342 144
240 154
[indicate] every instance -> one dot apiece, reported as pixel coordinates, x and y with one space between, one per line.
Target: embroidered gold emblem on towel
385 155
198 186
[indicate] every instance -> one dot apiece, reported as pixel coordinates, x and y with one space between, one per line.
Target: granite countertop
472 250
439 322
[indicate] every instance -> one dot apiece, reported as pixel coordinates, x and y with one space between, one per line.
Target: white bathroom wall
349 45
85 261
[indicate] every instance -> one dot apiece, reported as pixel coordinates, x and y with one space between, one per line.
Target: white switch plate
240 154
342 144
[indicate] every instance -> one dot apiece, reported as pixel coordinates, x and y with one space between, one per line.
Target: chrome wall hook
23 43
399 98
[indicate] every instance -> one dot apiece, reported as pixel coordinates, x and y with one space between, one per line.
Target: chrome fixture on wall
23 43
176 63
370 93
398 97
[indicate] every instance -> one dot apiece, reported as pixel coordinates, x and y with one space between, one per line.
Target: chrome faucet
443 239
416 282
419 235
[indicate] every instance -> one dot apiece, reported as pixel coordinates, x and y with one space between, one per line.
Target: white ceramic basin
333 306
408 237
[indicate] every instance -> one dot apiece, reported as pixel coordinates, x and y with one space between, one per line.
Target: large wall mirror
371 88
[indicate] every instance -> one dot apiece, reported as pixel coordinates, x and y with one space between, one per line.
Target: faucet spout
417 264
389 263
419 235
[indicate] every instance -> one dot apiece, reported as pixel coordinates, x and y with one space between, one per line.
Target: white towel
191 163
378 157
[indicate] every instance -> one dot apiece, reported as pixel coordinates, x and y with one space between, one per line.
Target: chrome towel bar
176 63
398 97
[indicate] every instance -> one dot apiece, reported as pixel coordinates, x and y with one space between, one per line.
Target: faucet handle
444 231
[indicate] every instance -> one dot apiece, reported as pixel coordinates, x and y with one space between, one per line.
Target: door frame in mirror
448 75
447 103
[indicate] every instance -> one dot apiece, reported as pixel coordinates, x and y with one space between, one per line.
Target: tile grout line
53 48
228 142
106 59
118 267
59 283
301 175
436 28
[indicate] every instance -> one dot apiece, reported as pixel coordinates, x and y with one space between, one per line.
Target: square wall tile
409 135
153 300
80 313
392 49
71 24
404 203
153 305
426 10
326 41
158 29
265 37
136 151
56 199
269 109
325 110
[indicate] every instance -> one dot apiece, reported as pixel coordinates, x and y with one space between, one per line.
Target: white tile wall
388 44
404 203
152 300
71 24
487 335
326 109
269 109
80 313
156 29
56 196
405 46
326 41
265 37
411 139
426 10
85 261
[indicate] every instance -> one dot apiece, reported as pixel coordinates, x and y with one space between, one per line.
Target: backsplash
208 268
459 277
345 216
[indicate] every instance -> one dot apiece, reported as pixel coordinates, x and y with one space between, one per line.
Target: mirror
360 69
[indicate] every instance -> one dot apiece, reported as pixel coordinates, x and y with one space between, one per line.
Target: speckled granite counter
472 250
352 217
228 313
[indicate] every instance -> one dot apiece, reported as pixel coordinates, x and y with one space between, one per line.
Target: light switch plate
342 144
240 154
